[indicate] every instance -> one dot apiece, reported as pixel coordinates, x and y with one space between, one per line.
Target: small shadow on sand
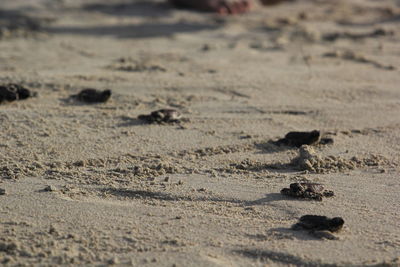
268 198
292 260
278 167
290 233
129 121
282 167
134 9
392 19
143 194
163 196
280 257
145 30
271 147
140 194
12 19
68 101
272 197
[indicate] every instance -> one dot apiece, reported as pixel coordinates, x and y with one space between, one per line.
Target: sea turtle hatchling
320 226
307 190
297 139
90 95
162 116
11 92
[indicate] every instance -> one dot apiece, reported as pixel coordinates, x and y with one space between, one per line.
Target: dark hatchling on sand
307 190
162 116
298 139
320 226
90 95
11 92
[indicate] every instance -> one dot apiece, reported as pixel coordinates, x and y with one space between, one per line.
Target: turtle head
315 134
107 93
296 187
336 223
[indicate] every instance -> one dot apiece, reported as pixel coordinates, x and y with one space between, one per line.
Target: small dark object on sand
272 2
90 95
298 139
356 36
11 92
319 223
307 190
320 226
162 116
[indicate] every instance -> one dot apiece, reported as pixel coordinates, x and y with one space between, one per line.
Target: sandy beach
92 185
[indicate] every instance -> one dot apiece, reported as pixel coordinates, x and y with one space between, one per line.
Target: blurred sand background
205 192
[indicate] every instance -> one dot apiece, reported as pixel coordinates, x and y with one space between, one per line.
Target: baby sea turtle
307 190
162 116
90 95
11 92
298 139
320 226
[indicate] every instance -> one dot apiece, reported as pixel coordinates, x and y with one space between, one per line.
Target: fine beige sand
205 192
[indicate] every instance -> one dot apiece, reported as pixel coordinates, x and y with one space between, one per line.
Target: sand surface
204 192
